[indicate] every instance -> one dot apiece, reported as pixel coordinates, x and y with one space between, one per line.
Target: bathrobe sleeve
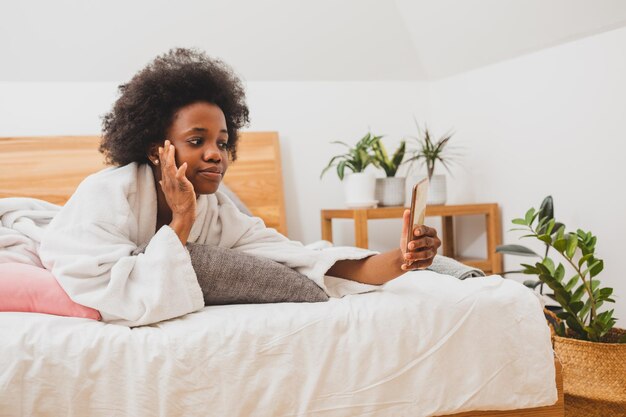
89 249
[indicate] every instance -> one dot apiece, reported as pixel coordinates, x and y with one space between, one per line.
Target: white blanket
423 344
89 247
22 223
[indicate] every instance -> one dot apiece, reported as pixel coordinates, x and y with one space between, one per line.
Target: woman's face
199 135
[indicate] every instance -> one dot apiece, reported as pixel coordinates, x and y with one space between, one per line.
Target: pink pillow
27 288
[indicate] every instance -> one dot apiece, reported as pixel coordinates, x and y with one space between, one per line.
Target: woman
171 136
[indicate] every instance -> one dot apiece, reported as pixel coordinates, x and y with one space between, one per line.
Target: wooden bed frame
50 168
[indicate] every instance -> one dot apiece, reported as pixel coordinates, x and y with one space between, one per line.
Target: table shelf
493 228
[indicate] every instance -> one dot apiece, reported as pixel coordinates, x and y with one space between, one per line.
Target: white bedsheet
424 344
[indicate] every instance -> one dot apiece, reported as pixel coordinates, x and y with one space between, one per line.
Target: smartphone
418 207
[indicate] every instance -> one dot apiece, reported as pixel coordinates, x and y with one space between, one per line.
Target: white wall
54 108
547 123
307 115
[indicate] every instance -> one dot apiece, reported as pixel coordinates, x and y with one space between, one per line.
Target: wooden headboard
50 168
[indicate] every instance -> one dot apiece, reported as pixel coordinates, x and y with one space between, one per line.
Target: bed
415 347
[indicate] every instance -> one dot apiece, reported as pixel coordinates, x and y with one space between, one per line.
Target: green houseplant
382 159
359 185
431 152
591 349
580 296
356 158
390 189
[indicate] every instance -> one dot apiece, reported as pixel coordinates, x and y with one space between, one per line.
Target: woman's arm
178 192
378 269
182 228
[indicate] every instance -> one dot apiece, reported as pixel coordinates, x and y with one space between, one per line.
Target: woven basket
594 375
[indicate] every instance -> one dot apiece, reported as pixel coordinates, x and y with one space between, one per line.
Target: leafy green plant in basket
580 295
382 160
356 159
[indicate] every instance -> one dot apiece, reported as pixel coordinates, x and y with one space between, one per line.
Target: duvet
423 344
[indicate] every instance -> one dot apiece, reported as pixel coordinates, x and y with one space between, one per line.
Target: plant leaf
530 269
541 225
576 306
572 244
341 169
549 263
596 269
594 285
574 324
559 273
593 265
530 214
572 282
518 250
578 294
558 228
398 156
560 231
583 259
545 239
560 244
341 143
531 283
546 210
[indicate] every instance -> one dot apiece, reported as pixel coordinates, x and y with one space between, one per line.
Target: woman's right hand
178 190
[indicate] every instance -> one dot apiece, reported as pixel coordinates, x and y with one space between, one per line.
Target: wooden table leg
447 236
494 238
327 228
360 229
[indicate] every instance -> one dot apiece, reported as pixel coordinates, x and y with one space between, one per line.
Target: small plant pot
359 188
437 190
390 191
594 375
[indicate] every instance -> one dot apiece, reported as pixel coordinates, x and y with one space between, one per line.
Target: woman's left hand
421 250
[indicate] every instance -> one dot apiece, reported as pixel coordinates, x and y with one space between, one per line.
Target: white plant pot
359 188
437 190
390 191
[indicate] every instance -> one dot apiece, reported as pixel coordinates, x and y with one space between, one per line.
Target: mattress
423 344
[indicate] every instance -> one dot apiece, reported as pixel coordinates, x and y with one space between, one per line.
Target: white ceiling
289 40
453 36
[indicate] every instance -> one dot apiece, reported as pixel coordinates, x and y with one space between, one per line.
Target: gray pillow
238 203
229 276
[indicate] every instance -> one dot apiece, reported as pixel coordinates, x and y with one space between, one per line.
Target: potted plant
429 152
359 185
591 349
390 189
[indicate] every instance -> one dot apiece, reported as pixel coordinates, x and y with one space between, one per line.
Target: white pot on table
359 189
437 190
390 191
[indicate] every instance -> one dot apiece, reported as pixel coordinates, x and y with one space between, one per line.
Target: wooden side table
491 265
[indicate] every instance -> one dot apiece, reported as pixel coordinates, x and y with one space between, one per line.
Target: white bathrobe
89 247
